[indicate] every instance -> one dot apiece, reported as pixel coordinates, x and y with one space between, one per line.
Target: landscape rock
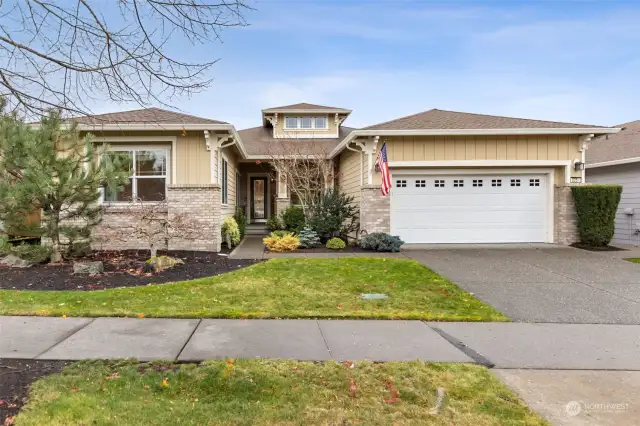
91 268
160 263
15 262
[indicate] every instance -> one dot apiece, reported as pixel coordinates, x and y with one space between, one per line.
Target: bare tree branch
70 54
305 171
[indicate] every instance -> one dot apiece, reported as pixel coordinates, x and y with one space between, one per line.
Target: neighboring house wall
627 175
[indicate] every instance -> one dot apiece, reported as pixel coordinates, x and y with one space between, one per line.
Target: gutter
613 162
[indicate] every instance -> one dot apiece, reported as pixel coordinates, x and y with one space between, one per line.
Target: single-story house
456 177
615 159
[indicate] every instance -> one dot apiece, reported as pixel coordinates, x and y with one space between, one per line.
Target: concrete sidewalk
503 345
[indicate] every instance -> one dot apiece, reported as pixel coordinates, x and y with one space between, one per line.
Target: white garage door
469 208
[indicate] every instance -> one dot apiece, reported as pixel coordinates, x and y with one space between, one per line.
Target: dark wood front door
258 197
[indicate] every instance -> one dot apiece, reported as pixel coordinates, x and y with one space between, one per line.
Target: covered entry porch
262 192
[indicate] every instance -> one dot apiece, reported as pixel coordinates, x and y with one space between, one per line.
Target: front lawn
279 288
265 392
634 259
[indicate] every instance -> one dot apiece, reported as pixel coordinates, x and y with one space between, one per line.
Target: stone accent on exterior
375 210
565 217
202 204
281 205
114 217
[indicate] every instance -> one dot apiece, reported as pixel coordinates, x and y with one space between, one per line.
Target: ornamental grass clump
285 243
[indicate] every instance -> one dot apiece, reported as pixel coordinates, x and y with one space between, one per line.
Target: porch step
257 229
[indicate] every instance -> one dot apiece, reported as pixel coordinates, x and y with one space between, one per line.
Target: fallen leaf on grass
165 382
113 376
349 364
140 315
353 388
339 306
394 392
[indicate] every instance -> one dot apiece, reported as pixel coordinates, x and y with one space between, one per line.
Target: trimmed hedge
596 206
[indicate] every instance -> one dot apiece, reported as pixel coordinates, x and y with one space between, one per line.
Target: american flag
383 166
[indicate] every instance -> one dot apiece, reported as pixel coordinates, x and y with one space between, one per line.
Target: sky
552 60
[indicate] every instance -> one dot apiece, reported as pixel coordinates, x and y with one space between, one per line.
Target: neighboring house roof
145 115
305 107
441 119
620 148
260 141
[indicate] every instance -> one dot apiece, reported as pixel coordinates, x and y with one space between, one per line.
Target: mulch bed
16 375
596 248
122 269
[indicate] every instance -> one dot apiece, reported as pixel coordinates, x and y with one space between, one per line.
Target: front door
258 199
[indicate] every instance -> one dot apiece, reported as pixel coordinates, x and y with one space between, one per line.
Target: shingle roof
622 145
260 141
145 115
303 106
441 119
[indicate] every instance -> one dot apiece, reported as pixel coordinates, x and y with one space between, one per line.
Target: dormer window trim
306 122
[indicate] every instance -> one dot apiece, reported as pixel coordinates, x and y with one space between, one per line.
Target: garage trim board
489 205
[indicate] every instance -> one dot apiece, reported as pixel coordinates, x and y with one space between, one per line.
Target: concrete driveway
546 283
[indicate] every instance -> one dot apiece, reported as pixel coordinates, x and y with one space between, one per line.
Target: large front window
306 123
148 175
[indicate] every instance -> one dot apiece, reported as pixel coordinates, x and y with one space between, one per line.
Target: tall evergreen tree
50 167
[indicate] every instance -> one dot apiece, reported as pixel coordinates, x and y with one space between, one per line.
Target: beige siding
349 168
232 168
332 127
192 158
447 148
193 164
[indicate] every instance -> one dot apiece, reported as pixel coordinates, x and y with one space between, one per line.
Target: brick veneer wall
200 203
203 204
565 217
114 217
375 210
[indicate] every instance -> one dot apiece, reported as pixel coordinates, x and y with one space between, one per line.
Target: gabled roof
306 107
144 116
260 141
441 119
616 148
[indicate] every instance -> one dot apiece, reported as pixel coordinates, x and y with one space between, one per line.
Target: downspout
584 145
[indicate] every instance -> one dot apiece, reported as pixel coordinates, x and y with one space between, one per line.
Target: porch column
368 146
283 199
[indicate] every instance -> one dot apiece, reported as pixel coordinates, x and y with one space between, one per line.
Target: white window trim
223 157
299 121
132 148
134 139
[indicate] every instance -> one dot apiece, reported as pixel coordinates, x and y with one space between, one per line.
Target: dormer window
306 123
